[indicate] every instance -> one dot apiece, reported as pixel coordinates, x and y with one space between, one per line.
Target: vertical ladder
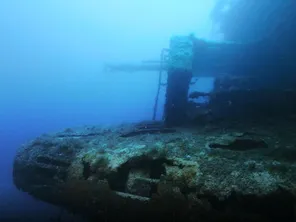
163 60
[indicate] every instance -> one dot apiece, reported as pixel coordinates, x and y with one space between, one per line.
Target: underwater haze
52 54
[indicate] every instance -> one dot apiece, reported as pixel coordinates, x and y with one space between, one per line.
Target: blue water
51 60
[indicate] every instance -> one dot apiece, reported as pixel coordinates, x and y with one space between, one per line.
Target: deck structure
251 80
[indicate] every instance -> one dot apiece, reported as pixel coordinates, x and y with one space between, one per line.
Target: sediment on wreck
210 175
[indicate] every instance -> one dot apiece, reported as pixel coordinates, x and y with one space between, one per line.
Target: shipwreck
232 159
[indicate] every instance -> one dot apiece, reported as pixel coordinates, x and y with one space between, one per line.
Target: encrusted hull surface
225 172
